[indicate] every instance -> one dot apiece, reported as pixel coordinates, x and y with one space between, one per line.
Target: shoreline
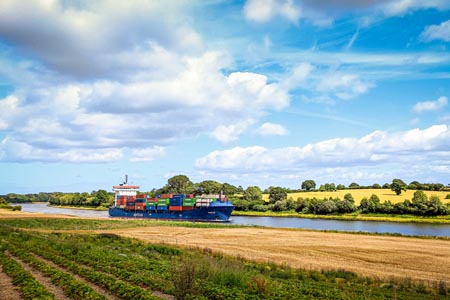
350 217
344 217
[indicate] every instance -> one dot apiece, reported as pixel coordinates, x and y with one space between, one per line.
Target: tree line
251 197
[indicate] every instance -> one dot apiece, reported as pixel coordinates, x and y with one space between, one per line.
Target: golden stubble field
424 260
358 194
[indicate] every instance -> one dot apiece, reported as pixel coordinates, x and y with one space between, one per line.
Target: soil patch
7 290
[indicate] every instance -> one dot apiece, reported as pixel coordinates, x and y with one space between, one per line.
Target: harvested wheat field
375 256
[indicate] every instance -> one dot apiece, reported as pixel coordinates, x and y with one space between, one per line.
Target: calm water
318 224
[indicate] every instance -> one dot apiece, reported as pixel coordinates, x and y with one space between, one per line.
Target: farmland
359 194
137 259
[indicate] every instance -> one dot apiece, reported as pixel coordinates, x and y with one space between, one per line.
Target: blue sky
250 92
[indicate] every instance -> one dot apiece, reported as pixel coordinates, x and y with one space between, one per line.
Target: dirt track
376 256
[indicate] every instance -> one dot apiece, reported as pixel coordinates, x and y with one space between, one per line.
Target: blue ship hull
216 212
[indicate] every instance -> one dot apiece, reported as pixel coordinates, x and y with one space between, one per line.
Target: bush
17 208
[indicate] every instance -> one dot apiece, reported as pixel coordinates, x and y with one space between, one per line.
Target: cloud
268 129
427 146
147 154
437 32
87 38
343 86
425 106
114 114
265 10
324 12
17 151
325 84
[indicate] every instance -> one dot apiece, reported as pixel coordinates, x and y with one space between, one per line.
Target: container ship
129 203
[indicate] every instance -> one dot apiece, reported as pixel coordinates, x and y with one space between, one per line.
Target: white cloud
344 86
437 32
93 38
268 129
17 151
112 114
435 105
427 146
147 154
264 10
324 12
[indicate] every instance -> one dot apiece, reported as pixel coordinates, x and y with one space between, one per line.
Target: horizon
251 93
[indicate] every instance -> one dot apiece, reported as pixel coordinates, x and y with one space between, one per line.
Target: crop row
29 287
71 287
116 287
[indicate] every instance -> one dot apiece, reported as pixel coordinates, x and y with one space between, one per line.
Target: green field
359 194
92 265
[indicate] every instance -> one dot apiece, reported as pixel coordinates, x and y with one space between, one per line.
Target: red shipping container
175 208
141 196
165 196
190 196
188 207
130 207
139 206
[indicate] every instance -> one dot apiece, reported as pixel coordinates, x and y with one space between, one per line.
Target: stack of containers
139 204
176 202
121 201
189 203
130 204
151 203
162 203
203 202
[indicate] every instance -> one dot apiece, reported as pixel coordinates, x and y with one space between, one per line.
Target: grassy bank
136 269
351 217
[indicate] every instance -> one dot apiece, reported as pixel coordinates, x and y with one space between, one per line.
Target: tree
209 187
349 197
308 185
398 186
354 185
376 186
253 193
180 184
229 189
340 187
277 194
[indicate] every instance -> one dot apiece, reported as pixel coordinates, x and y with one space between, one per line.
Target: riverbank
293 214
99 208
350 217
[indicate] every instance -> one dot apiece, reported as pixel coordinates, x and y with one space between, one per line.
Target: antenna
126 179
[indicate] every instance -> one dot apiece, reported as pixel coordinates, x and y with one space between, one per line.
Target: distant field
358 194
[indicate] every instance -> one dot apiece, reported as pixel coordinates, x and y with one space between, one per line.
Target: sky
256 92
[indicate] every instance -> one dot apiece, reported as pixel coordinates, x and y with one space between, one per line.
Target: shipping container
140 196
165 196
184 208
176 202
161 207
175 208
150 207
190 196
140 200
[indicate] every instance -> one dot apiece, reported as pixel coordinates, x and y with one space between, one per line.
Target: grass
359 194
133 268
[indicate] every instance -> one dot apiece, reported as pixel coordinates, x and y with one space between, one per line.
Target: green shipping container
164 201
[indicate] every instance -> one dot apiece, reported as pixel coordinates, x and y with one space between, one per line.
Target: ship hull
212 213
